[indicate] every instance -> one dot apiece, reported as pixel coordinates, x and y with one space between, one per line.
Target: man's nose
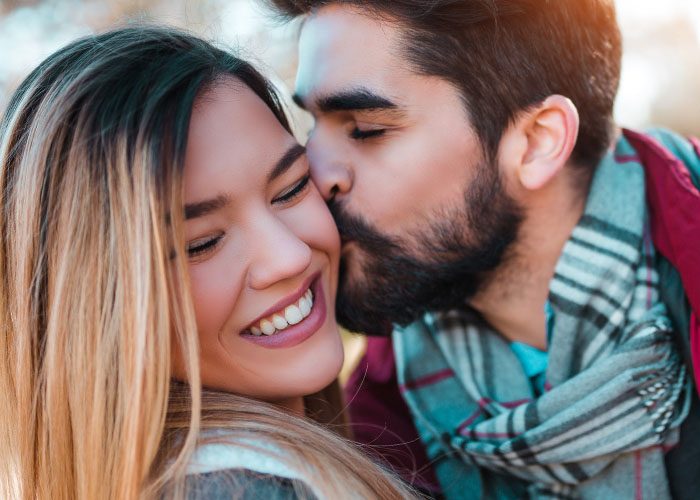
330 169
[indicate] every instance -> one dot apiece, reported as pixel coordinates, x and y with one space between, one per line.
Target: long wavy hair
94 291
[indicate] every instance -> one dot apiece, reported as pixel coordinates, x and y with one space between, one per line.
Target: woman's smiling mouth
291 315
292 320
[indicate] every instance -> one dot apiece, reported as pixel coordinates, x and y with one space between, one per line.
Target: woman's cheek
216 285
313 223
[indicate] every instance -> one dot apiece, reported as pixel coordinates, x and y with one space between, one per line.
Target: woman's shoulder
244 484
223 452
225 468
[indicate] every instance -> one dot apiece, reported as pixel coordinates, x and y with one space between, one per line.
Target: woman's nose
277 254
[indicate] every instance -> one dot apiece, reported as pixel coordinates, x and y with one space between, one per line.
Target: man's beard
397 280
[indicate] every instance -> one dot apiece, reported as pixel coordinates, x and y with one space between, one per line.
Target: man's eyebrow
202 208
286 161
359 99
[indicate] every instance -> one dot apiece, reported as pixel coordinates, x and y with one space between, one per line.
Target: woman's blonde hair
94 288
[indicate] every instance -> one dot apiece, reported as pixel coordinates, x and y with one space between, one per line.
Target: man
525 252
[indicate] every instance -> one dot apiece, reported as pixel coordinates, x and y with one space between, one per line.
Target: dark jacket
244 484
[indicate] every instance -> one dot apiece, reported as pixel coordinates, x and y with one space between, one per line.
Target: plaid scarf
616 390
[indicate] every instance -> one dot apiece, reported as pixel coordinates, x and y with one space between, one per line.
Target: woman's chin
323 364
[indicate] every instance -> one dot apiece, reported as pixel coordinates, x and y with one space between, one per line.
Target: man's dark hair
508 55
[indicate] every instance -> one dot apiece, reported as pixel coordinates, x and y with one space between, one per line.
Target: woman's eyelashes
293 192
201 246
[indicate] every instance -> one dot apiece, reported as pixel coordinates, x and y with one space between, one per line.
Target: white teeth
267 327
305 306
290 316
279 322
293 315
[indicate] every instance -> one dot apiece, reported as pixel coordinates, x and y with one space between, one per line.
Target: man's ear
545 136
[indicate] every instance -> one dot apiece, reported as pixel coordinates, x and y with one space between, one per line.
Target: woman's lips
296 334
287 301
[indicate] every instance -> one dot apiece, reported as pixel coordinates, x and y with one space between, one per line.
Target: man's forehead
339 49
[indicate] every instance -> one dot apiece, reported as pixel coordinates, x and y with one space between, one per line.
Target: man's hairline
401 50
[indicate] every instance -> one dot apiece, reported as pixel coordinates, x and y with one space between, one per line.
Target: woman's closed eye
296 190
201 246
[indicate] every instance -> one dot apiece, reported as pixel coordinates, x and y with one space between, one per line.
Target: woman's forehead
234 140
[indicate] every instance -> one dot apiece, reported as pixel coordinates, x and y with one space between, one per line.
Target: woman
168 274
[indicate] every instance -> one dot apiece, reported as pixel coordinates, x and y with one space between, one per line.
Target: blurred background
661 69
660 79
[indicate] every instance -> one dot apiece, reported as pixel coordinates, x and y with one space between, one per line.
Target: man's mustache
356 229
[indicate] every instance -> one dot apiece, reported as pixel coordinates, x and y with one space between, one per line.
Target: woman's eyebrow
286 161
202 208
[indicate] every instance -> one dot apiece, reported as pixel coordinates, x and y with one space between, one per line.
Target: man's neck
513 298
